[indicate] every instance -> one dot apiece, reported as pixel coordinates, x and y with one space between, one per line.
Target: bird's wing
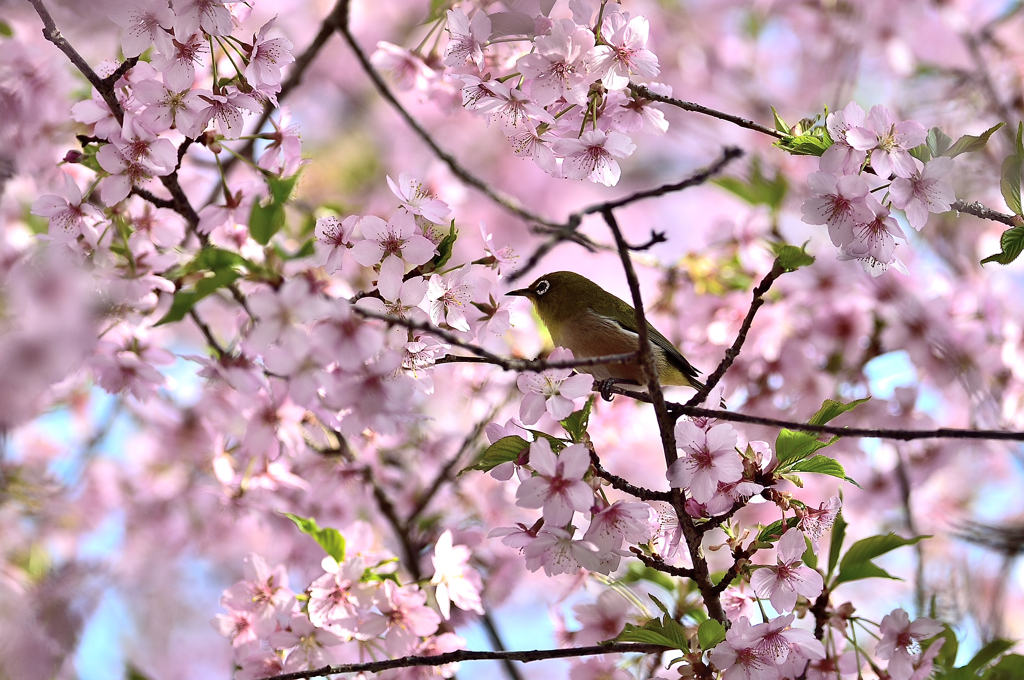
672 355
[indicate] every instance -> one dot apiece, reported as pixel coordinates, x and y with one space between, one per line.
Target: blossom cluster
356 609
558 86
860 225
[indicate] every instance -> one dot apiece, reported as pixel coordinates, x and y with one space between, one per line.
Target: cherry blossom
839 202
396 238
558 69
593 155
447 298
143 22
841 158
468 38
70 217
333 239
266 58
624 53
901 639
924 191
782 584
417 201
558 484
455 580
889 143
709 458
552 390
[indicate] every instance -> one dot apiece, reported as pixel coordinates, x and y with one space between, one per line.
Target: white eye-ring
542 287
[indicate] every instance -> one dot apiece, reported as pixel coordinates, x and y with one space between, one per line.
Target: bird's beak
522 292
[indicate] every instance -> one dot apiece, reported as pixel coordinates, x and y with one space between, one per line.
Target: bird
591 322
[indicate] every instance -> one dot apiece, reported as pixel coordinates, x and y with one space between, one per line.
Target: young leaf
185 300
710 633
970 143
780 124
988 653
576 424
1009 178
329 539
504 450
856 564
1010 667
265 221
831 408
822 465
1011 244
938 141
790 257
836 543
792 446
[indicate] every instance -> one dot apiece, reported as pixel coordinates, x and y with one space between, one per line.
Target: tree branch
507 202
741 337
470 655
641 91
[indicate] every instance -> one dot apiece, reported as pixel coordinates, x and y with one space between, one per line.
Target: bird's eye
542 287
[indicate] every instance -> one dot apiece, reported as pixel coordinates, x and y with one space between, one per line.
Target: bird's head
560 295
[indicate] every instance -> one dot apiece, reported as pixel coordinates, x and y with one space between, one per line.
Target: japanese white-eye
590 321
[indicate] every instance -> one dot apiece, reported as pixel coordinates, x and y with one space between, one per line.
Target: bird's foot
604 387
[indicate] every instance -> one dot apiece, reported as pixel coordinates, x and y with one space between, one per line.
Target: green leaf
281 188
265 221
809 557
640 572
1009 180
947 655
773 531
1010 667
836 543
988 653
759 190
504 450
710 633
792 446
780 124
576 424
655 632
822 465
803 145
1011 244
970 143
444 248
921 152
856 564
938 142
831 408
185 300
790 257
329 539
5 29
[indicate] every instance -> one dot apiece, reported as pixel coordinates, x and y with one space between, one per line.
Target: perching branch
741 337
568 230
471 655
643 92
485 356
507 202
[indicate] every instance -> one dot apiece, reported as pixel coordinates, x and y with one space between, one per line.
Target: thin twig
741 337
507 202
655 562
492 633
518 365
645 93
568 230
296 72
470 655
624 486
978 210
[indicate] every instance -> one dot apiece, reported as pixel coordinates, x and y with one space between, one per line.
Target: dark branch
469 655
568 230
507 202
741 337
655 562
978 210
643 92
624 486
489 357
